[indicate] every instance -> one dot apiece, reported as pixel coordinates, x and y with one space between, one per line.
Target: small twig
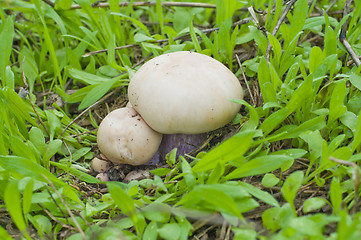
349 49
245 80
346 11
86 110
278 25
343 38
56 203
355 177
67 208
31 100
49 3
105 50
55 219
253 15
331 5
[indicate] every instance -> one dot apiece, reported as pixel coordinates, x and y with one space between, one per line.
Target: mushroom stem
185 143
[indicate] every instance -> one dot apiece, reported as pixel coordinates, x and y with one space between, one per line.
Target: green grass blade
259 165
231 149
13 205
28 168
6 43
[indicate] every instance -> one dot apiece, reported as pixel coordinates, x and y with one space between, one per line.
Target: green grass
290 171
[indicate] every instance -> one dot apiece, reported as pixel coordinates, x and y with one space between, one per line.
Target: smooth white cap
185 92
125 138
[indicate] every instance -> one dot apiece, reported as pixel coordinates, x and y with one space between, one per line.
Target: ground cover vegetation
286 167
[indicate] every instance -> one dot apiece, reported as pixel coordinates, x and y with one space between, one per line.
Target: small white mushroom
103 177
185 92
99 165
125 138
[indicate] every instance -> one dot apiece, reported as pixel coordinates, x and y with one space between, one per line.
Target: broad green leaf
9 78
259 38
27 196
36 136
335 194
79 174
96 93
259 165
4 234
316 58
299 17
291 186
151 231
343 153
77 154
314 141
336 142
63 4
181 18
20 148
276 118
13 205
216 174
337 109
43 223
261 195
330 44
53 123
79 95
157 212
6 45
263 78
140 37
306 226
355 79
126 204
87 78
292 152
214 196
26 167
349 119
270 218
296 101
270 180
300 95
313 204
269 92
275 79
50 149
357 134
171 231
233 148
253 116
276 46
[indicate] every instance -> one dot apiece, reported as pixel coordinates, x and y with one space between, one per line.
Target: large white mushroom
184 93
125 138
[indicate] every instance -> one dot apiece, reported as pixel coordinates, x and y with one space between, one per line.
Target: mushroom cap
185 92
125 138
